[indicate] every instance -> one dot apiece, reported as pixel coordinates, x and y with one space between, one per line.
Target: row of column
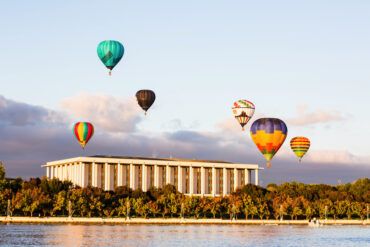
79 173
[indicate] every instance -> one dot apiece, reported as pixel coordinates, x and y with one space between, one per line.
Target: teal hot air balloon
110 53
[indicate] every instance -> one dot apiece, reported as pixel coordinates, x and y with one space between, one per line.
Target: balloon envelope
145 98
300 146
110 53
83 132
243 111
268 134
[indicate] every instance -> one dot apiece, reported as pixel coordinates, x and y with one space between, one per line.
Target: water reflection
181 235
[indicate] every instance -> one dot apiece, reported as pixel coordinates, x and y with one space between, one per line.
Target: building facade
191 177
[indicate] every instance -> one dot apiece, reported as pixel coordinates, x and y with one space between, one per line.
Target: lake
181 235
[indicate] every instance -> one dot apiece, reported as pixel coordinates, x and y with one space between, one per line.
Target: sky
305 62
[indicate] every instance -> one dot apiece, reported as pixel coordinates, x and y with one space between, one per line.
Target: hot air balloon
145 98
110 53
83 132
268 134
300 146
243 110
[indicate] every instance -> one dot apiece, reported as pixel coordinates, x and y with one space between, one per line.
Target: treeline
291 200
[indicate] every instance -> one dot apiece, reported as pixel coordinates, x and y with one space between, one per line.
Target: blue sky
304 62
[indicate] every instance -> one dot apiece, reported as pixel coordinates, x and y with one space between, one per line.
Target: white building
191 177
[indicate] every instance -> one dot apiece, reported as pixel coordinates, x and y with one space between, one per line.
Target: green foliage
292 200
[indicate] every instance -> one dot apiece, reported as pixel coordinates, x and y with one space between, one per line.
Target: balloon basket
110 73
268 165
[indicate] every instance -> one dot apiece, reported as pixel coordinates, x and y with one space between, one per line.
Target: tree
2 176
263 210
46 203
122 206
109 204
297 207
2 171
215 206
141 208
309 211
153 208
173 204
190 205
60 203
276 206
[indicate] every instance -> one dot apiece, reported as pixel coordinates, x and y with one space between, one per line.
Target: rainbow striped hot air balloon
243 110
268 134
300 146
110 53
83 132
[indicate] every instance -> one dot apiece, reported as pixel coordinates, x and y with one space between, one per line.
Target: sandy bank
170 221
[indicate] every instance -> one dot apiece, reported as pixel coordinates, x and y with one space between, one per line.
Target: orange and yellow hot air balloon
268 134
83 132
300 146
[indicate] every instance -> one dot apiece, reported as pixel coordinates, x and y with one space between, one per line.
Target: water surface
181 235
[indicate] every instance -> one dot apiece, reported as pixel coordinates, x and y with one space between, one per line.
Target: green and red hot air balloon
83 132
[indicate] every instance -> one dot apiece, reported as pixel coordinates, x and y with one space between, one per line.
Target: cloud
319 116
336 157
25 148
21 114
107 112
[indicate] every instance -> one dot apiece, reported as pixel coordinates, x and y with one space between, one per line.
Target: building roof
159 159
150 161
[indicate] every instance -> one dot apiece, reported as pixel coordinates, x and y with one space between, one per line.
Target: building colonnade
204 179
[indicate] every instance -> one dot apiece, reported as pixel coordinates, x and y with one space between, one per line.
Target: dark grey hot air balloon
145 98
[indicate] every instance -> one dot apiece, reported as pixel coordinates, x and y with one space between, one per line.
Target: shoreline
96 220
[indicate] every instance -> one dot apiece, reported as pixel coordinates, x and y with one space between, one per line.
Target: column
247 176
226 184
56 171
84 175
94 175
98 176
195 180
160 177
202 181
236 177
179 179
256 176
214 184
47 172
168 174
64 172
156 176
144 178
51 172
61 172
133 177
148 177
109 177
191 181
74 173
70 172
120 175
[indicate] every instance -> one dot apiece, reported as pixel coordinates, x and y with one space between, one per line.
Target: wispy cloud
306 117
